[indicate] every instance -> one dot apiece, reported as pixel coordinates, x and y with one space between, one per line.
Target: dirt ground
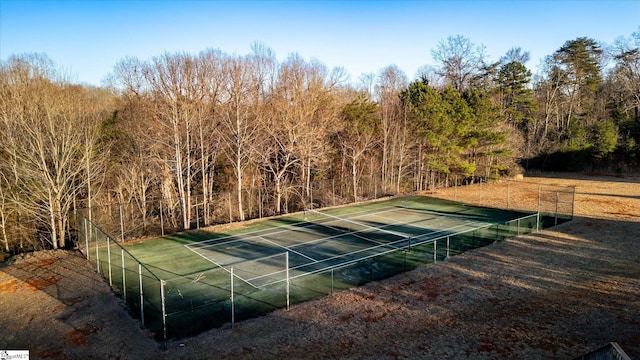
556 294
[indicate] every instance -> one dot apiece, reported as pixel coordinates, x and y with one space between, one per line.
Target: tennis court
323 241
183 284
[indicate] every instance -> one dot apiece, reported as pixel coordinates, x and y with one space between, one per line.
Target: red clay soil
556 294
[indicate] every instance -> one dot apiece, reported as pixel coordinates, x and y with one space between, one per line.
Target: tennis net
374 234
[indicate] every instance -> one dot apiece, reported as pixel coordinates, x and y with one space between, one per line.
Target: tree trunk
278 195
239 185
354 179
54 233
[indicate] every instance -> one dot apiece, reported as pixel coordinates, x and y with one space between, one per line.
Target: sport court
190 282
323 240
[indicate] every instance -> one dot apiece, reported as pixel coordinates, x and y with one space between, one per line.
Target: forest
181 129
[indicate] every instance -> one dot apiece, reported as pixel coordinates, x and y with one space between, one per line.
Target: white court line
281 228
365 225
315 261
430 238
286 248
435 213
360 214
373 247
355 233
222 267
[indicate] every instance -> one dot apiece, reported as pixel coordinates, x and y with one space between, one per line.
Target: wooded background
181 129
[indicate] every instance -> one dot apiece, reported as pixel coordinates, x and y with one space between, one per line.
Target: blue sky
87 38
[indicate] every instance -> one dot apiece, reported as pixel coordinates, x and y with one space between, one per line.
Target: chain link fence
179 306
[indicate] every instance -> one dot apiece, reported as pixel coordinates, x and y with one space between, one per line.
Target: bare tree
210 84
460 60
392 81
47 131
627 69
238 122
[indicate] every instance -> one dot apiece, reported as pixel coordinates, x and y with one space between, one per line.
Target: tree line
183 125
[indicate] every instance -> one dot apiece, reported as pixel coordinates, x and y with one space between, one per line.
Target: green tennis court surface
323 240
196 281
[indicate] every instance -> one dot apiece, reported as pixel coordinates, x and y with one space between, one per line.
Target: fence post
233 310
448 246
164 311
435 251
260 202
480 192
455 189
332 280
375 187
286 261
161 219
121 224
333 190
404 268
97 254
433 183
86 237
230 216
141 294
109 261
124 280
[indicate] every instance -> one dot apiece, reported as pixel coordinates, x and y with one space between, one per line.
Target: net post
109 261
233 309
164 311
448 246
409 245
539 195
518 226
121 224
286 261
124 281
141 294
